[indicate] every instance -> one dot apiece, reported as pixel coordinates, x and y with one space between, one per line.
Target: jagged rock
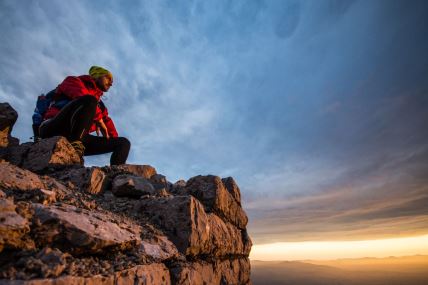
179 187
159 181
12 177
145 171
88 179
50 153
213 194
80 230
159 248
13 227
233 188
16 154
231 272
8 117
127 185
53 230
29 186
192 230
150 274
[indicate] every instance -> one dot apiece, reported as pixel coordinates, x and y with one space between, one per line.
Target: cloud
318 109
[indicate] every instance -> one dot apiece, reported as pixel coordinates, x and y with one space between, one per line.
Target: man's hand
101 127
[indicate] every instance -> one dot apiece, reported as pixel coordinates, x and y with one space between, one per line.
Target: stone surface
16 154
213 194
145 171
87 179
8 117
13 227
78 230
231 272
55 152
233 188
192 230
28 186
128 185
159 248
150 274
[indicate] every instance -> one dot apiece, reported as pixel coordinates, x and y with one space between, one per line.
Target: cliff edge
63 223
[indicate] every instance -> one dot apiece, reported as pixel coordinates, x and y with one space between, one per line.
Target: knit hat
97 71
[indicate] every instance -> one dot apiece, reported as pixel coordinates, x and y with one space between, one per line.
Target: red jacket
74 87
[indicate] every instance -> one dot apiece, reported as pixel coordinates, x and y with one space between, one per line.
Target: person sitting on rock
83 113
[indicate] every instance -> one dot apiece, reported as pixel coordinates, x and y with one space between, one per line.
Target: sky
318 109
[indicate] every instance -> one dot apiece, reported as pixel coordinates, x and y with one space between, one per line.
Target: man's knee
124 143
88 100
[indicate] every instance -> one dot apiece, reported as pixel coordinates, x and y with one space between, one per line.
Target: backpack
42 105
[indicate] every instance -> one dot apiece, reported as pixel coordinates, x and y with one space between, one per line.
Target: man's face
104 82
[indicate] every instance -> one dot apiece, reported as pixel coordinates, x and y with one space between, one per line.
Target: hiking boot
79 148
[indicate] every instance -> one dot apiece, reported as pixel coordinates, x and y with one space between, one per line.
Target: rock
150 274
159 182
13 227
13 177
91 180
26 185
16 154
193 231
127 185
213 194
233 188
8 117
145 171
178 187
78 230
159 247
55 152
235 271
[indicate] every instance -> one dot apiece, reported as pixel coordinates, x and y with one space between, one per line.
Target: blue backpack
42 105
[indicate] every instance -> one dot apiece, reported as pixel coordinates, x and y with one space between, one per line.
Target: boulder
233 188
55 152
26 185
191 229
128 185
215 197
145 171
16 154
159 248
91 180
159 181
8 117
13 227
234 272
77 230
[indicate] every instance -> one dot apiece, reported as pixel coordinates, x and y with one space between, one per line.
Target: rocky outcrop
63 223
8 117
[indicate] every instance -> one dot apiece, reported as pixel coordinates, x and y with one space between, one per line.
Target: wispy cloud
317 108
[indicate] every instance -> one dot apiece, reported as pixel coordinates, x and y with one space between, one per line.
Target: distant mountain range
408 270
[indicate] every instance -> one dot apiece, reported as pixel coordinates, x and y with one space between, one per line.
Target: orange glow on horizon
327 250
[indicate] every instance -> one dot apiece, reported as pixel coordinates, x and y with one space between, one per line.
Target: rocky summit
64 223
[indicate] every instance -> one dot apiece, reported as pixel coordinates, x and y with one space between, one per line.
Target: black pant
74 121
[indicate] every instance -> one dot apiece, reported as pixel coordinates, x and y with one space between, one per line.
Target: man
77 110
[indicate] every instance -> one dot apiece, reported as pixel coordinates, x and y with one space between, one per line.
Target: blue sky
317 108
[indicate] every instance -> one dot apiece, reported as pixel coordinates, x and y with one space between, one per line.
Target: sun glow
323 250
